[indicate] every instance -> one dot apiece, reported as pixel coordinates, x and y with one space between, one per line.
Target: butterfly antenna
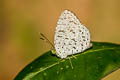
70 63
46 39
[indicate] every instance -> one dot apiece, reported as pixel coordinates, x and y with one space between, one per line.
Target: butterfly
71 36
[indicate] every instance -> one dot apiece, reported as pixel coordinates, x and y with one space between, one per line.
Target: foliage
92 64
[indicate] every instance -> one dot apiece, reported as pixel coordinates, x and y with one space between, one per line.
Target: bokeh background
22 20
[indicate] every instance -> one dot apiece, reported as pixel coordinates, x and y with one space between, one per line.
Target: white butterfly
71 37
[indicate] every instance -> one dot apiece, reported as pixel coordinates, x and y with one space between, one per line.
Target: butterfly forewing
71 36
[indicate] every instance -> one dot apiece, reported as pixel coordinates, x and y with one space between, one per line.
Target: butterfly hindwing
71 36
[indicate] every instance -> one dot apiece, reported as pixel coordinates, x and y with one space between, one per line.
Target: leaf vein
30 75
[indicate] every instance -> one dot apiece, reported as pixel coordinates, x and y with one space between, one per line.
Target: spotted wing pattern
71 36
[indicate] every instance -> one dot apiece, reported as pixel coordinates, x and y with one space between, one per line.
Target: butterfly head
53 51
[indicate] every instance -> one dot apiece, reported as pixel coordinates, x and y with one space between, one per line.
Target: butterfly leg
70 62
74 57
61 60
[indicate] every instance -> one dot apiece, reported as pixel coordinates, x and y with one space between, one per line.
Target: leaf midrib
30 75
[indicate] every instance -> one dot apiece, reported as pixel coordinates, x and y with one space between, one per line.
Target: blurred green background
22 20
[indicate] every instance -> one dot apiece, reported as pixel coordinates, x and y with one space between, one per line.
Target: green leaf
92 64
